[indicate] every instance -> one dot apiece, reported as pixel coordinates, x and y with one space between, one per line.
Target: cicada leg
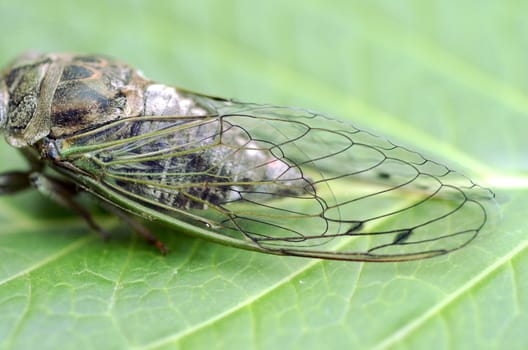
16 181
13 182
139 228
63 193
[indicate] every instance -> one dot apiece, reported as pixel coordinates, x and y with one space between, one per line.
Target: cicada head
20 88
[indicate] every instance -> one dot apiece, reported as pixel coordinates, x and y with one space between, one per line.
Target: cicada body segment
278 180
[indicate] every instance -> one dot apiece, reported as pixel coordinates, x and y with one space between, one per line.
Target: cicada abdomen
273 179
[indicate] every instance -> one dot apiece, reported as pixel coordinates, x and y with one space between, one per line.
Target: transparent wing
288 181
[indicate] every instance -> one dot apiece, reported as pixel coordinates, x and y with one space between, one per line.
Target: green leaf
446 79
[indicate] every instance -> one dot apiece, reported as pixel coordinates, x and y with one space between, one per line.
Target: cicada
277 180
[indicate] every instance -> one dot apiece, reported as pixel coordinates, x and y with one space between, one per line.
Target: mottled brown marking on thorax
93 92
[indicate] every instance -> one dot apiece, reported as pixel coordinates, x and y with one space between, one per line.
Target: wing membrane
288 181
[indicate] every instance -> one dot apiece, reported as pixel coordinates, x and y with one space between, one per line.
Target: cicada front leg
16 181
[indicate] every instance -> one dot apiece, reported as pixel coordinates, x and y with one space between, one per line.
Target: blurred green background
448 79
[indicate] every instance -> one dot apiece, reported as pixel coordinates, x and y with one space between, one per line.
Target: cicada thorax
92 92
151 141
